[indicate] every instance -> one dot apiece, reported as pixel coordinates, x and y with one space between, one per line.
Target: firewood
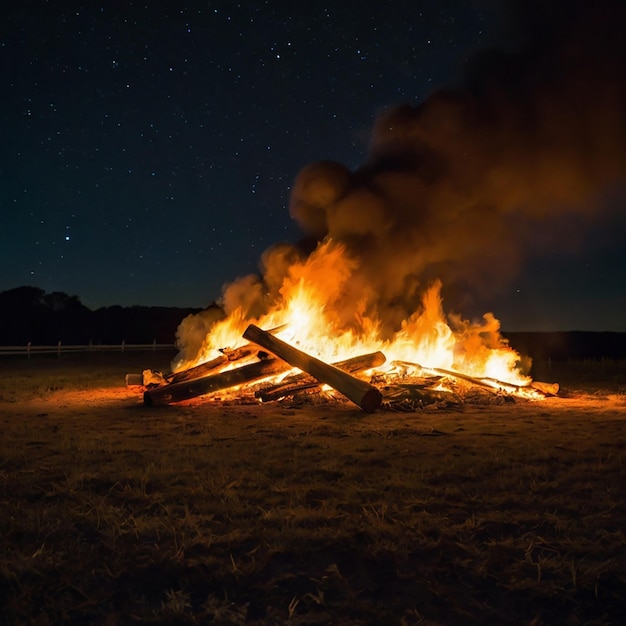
187 389
204 369
235 354
493 384
289 389
487 383
197 371
358 391
300 382
228 354
549 389
497 386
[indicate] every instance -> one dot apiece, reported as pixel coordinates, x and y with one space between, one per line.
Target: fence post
154 345
59 349
28 349
123 344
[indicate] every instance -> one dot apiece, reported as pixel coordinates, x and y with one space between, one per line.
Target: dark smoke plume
515 161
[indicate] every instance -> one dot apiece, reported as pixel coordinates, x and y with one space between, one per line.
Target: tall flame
311 312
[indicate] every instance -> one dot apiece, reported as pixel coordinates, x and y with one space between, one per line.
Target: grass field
220 513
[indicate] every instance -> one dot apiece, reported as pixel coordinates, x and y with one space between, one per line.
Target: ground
290 513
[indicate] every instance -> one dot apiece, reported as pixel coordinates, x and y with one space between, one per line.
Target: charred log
198 371
301 382
281 391
498 386
235 354
492 384
358 391
206 368
187 389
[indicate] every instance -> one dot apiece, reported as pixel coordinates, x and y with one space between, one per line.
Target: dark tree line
29 314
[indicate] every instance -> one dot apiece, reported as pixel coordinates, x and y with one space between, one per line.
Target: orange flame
311 313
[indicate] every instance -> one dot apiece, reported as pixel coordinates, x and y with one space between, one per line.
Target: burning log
409 397
204 369
234 354
492 384
187 389
197 371
495 385
359 391
488 383
228 354
301 382
286 389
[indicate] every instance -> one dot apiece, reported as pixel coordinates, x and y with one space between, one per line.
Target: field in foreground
114 513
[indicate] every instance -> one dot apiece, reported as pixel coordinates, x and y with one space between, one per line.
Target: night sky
150 149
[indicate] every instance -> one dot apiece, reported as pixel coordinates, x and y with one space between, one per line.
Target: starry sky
149 149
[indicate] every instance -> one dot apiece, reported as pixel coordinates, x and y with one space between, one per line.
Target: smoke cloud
516 160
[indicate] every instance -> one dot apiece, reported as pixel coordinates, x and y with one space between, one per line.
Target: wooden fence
29 350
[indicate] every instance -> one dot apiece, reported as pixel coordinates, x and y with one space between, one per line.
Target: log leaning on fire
359 391
228 354
206 368
302 381
198 371
187 389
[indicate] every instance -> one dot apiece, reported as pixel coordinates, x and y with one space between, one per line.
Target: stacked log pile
266 356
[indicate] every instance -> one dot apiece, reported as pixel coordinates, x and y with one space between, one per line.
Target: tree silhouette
29 314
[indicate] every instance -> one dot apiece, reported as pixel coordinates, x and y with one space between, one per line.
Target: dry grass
203 513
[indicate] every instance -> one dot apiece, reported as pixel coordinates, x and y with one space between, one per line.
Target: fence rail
30 350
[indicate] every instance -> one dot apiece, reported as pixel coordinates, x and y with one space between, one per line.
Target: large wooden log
301 382
228 354
359 391
204 369
187 389
197 371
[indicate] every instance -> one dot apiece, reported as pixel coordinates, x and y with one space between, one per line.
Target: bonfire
304 346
